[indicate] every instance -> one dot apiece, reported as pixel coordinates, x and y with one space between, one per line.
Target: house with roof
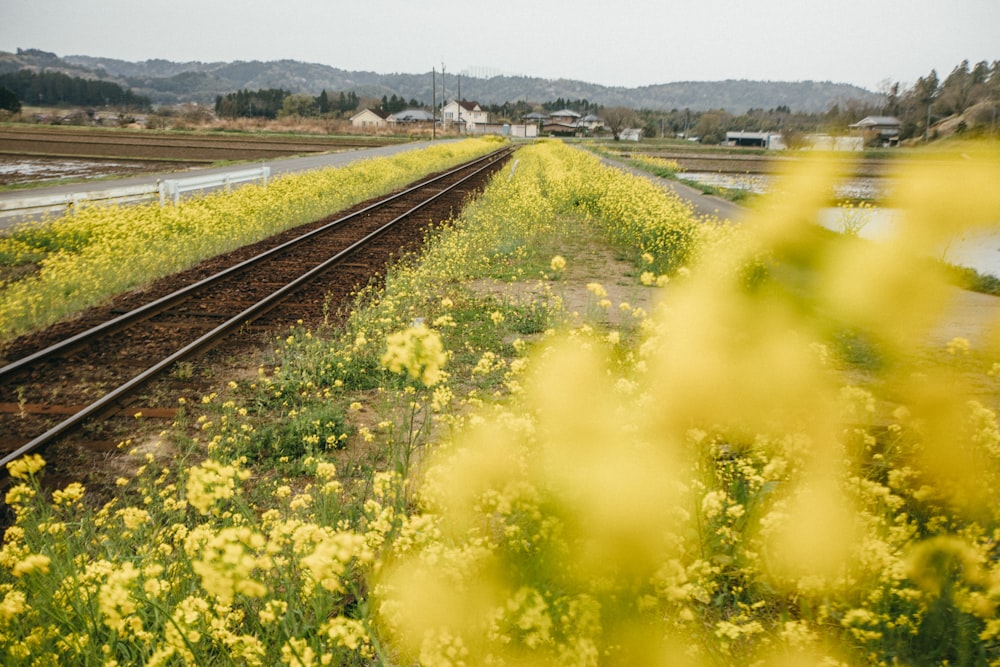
592 122
466 113
369 119
564 117
879 130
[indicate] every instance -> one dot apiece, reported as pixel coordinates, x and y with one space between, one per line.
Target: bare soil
15 170
31 154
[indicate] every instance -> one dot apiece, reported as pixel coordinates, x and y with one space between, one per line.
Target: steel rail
247 315
159 305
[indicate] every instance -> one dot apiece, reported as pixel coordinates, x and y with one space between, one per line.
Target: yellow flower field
773 464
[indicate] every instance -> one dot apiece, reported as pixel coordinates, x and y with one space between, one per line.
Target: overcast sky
618 43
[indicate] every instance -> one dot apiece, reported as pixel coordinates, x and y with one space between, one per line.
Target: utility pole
444 100
434 112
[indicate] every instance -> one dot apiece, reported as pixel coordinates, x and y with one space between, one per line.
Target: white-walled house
468 113
592 122
368 119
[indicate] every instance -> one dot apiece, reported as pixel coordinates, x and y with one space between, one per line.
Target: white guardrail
167 190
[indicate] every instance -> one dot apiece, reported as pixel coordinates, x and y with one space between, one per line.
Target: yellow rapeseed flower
209 483
32 563
417 350
25 467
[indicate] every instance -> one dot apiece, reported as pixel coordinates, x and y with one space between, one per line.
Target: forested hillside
165 82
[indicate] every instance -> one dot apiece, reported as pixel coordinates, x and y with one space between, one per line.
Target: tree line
274 102
56 88
396 104
581 106
969 91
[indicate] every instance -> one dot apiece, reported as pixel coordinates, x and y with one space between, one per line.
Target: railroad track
97 365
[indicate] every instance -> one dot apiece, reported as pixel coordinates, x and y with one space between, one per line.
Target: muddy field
32 154
16 170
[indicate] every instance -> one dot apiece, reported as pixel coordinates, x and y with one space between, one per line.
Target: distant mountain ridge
167 82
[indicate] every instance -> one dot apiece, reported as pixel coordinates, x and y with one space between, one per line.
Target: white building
825 142
368 119
468 113
769 140
592 122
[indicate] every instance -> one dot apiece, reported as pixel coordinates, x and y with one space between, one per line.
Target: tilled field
36 153
20 170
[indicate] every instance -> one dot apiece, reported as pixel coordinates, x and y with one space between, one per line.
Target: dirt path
970 315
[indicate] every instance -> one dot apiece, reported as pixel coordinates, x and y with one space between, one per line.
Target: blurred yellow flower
25 467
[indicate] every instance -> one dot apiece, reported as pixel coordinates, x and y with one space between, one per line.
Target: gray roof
748 135
412 116
878 121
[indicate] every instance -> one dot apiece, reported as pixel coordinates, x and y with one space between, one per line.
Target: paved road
278 166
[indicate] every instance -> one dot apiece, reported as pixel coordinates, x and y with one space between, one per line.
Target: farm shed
769 140
412 116
825 142
525 131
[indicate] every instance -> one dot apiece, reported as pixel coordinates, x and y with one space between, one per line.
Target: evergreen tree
323 103
9 101
264 103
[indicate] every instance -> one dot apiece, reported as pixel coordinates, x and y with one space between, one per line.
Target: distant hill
166 82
